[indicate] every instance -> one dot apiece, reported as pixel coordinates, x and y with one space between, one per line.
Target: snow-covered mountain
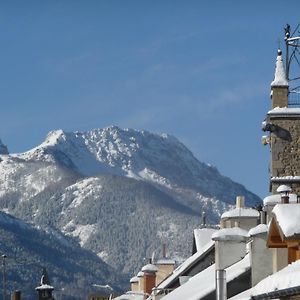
73 271
120 192
159 159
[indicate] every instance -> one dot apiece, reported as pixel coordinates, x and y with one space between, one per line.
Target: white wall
261 258
228 253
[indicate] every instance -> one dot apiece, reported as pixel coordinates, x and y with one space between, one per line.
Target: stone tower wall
285 151
280 97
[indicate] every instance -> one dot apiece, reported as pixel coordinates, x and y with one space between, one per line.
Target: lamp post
4 275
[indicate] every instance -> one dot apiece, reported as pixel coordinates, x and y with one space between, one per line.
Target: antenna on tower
292 58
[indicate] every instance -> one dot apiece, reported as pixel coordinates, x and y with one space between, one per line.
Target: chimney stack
134 282
284 191
221 287
149 278
140 276
240 201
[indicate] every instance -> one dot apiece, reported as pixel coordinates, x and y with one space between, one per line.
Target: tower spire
280 84
280 78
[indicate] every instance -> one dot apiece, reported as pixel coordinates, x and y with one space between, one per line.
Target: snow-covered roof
283 188
282 111
45 287
203 236
140 274
186 265
165 261
274 199
288 216
131 296
240 212
280 76
203 283
288 277
285 178
134 279
261 228
230 234
150 268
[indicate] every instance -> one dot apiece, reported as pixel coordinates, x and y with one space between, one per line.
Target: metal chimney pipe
221 288
263 217
164 250
240 201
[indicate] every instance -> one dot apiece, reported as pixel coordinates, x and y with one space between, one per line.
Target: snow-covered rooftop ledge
284 111
230 234
274 199
241 212
259 229
165 261
286 179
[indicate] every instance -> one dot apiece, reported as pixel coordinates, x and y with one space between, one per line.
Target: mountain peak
157 158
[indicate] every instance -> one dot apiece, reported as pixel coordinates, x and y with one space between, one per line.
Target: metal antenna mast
292 45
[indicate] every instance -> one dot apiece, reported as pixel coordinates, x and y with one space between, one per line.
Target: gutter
278 293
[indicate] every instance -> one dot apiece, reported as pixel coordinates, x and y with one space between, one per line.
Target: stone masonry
285 151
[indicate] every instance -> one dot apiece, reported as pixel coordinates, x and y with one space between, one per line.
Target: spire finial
280 75
279 52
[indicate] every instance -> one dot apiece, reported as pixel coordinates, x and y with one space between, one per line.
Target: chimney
263 217
240 201
221 288
165 267
229 240
134 282
140 276
284 191
149 278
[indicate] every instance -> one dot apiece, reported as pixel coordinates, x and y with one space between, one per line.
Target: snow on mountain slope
160 159
70 267
127 151
122 219
28 178
120 193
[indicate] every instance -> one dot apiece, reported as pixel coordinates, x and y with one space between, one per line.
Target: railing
294 99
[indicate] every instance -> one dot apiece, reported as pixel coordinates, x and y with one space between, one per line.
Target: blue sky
200 70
